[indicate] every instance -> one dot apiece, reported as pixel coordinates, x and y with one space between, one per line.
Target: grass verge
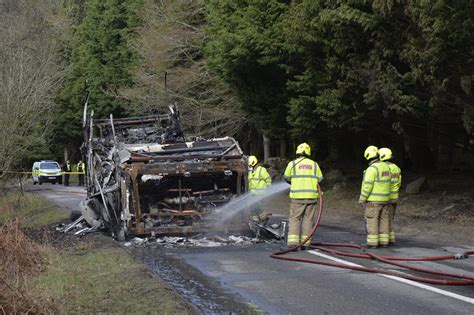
31 211
80 276
102 278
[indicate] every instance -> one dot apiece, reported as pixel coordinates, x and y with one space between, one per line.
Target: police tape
59 173
44 174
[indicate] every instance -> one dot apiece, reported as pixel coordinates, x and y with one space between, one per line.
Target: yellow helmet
253 160
304 148
385 154
371 152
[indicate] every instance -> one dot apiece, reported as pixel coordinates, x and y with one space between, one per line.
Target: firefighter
375 197
81 170
259 180
303 174
385 155
67 170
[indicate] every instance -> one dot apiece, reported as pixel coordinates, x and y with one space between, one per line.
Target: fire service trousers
391 228
377 221
301 221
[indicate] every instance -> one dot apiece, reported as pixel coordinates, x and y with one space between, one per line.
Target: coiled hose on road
365 254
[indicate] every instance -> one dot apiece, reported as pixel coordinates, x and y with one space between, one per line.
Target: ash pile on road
206 241
263 234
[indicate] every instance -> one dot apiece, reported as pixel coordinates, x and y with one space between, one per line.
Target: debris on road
275 230
176 241
79 226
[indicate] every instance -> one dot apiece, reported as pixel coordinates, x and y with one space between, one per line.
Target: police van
46 171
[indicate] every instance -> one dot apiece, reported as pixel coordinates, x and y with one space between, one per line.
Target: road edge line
403 280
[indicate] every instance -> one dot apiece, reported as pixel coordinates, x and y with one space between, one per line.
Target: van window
49 166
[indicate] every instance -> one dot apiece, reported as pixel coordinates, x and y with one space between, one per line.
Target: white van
47 171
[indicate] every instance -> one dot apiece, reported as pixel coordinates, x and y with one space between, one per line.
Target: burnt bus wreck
143 178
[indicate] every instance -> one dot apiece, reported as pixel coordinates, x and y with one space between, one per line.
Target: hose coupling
460 256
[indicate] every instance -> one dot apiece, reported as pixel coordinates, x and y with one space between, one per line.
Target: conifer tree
101 53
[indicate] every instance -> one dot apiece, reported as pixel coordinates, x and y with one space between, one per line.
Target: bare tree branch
169 43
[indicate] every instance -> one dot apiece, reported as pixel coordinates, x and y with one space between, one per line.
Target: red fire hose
392 260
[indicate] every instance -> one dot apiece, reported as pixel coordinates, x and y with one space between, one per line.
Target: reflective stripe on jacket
304 175
80 167
396 181
259 179
376 183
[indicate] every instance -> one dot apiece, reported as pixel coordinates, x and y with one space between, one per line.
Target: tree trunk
283 148
445 152
253 140
266 147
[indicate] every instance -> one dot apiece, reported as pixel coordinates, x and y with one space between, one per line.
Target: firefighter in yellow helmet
303 174
375 197
259 180
385 155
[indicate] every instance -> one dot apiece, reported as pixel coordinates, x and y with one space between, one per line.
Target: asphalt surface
235 278
68 197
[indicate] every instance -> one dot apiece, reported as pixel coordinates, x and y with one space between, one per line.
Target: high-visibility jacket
259 179
67 167
80 167
376 183
304 175
395 181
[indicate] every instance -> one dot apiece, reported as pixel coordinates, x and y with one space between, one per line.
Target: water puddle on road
209 297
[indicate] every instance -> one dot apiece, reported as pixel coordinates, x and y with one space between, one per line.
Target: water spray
247 200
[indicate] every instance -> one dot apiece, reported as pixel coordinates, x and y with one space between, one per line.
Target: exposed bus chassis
143 178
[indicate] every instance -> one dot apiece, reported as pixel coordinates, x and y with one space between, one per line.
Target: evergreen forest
337 74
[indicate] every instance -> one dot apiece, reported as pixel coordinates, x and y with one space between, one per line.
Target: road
230 279
66 197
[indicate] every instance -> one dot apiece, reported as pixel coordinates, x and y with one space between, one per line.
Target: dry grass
20 258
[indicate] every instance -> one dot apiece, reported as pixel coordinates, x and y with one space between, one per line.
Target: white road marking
403 280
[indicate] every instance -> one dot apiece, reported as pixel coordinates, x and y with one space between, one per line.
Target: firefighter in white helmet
375 197
259 180
385 155
303 174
